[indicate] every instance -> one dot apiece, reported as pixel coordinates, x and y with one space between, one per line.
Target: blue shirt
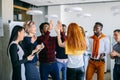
28 47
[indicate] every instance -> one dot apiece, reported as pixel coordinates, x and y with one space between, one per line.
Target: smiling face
32 29
21 34
45 28
117 36
97 29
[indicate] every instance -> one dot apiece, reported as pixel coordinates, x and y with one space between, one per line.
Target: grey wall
0 41
6 12
0 8
6 64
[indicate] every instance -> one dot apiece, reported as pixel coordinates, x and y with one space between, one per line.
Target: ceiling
60 2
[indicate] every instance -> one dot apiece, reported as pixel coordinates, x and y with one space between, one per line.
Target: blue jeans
116 72
62 67
49 68
31 71
75 73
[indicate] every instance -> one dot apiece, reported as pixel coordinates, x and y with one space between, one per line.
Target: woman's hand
42 46
59 25
58 28
30 57
38 49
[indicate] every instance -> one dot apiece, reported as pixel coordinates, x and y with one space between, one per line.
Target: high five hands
58 28
51 25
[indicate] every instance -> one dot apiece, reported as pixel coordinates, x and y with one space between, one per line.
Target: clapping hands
38 48
113 54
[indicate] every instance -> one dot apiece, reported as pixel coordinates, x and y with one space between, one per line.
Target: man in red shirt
47 56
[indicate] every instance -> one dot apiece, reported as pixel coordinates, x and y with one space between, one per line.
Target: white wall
101 12
54 10
40 18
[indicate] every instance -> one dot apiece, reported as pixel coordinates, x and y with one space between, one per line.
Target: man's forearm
118 54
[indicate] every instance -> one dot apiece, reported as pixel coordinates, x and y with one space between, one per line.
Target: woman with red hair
75 46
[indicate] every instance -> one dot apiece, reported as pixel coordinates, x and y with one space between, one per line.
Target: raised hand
57 29
59 25
30 57
51 25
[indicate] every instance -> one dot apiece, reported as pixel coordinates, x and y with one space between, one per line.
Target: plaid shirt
48 53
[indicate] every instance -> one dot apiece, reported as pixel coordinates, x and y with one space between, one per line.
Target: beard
97 34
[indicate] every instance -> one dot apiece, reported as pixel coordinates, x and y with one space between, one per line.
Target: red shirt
48 53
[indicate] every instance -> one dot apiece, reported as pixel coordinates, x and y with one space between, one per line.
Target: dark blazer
16 63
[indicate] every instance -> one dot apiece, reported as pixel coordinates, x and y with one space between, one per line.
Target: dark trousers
49 68
75 73
116 72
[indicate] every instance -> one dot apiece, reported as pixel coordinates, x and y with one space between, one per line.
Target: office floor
107 76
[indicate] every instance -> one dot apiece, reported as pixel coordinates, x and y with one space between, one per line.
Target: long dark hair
14 34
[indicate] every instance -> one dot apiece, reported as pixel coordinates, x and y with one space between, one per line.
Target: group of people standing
61 53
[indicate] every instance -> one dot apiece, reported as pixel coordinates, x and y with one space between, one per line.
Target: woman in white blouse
75 46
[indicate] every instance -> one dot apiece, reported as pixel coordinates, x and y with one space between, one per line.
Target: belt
97 60
62 60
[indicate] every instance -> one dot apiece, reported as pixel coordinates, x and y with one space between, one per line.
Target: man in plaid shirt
47 56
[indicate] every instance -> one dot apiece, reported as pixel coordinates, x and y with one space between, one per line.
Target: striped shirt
116 48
